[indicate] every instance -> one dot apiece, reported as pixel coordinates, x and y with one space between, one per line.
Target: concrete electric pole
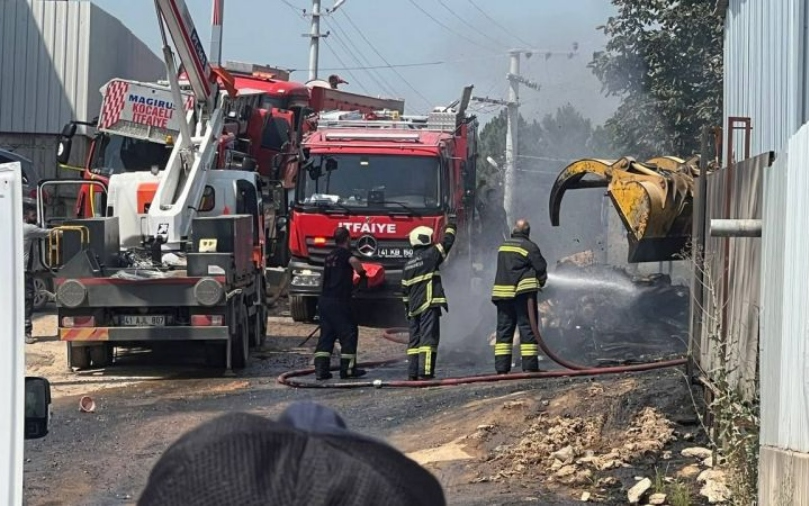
512 127
216 31
314 40
513 120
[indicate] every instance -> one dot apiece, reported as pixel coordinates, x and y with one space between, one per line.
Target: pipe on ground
735 228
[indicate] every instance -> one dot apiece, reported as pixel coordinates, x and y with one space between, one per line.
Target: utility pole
512 127
314 39
216 31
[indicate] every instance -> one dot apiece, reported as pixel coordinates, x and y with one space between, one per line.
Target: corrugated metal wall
785 311
784 360
765 69
730 307
56 55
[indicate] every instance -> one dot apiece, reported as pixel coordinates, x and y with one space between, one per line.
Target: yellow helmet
421 236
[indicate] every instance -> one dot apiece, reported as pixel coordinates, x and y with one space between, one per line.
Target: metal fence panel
730 311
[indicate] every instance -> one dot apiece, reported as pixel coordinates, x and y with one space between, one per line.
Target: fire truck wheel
302 309
240 341
101 356
258 327
78 357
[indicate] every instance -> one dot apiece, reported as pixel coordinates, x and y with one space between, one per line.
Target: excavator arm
653 200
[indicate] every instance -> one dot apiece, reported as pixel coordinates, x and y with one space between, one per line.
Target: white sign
141 110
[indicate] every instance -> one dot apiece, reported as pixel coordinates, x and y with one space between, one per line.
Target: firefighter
521 272
424 298
31 234
334 308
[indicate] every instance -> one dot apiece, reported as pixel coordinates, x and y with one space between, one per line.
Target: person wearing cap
521 272
307 457
31 235
334 309
423 296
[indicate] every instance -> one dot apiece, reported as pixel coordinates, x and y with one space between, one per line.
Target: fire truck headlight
208 292
306 278
71 293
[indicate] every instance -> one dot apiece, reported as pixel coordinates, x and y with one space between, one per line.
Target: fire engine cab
379 175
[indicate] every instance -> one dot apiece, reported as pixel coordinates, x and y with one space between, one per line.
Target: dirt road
472 437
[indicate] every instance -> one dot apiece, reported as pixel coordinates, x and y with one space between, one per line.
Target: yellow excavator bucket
653 198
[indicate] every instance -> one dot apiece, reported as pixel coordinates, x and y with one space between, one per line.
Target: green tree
664 58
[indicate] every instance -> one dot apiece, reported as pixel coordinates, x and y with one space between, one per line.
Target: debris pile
600 314
569 450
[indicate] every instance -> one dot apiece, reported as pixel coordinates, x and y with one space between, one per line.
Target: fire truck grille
391 254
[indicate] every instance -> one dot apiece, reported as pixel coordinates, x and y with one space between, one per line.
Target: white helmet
421 236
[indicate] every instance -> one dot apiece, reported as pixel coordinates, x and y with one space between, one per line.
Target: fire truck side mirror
331 164
65 143
37 407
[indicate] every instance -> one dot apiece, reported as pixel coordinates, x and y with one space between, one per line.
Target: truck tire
240 340
258 327
101 356
302 309
78 357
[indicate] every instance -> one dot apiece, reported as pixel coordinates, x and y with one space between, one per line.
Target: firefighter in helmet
521 272
424 298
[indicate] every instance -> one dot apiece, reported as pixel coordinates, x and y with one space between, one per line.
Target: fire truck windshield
372 181
114 154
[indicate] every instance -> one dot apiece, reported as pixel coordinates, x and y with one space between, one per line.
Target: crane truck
179 253
379 175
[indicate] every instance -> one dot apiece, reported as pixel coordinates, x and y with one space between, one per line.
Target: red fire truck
380 176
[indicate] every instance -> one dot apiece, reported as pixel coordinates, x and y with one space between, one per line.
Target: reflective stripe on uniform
428 357
441 250
528 284
321 354
502 349
350 357
419 279
529 350
513 249
413 351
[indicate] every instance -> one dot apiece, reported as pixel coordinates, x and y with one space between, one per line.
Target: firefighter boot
322 366
348 369
412 366
530 360
429 364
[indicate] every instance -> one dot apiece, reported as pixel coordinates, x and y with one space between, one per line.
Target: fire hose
571 369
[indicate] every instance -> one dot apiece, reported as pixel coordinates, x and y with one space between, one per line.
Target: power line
380 81
418 64
337 57
298 10
426 100
474 29
494 22
439 23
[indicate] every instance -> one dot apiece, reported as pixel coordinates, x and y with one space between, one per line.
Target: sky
470 39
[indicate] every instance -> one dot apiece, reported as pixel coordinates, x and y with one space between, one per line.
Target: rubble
570 449
636 493
697 452
585 496
714 488
657 499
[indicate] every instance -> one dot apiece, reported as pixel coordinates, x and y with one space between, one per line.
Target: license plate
143 320
394 252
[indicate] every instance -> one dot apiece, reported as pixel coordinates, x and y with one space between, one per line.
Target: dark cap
305 458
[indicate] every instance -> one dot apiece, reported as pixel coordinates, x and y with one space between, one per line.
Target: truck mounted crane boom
184 178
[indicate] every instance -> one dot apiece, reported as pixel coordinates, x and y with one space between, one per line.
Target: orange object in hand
375 274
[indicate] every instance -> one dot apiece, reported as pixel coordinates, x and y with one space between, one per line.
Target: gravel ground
145 402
